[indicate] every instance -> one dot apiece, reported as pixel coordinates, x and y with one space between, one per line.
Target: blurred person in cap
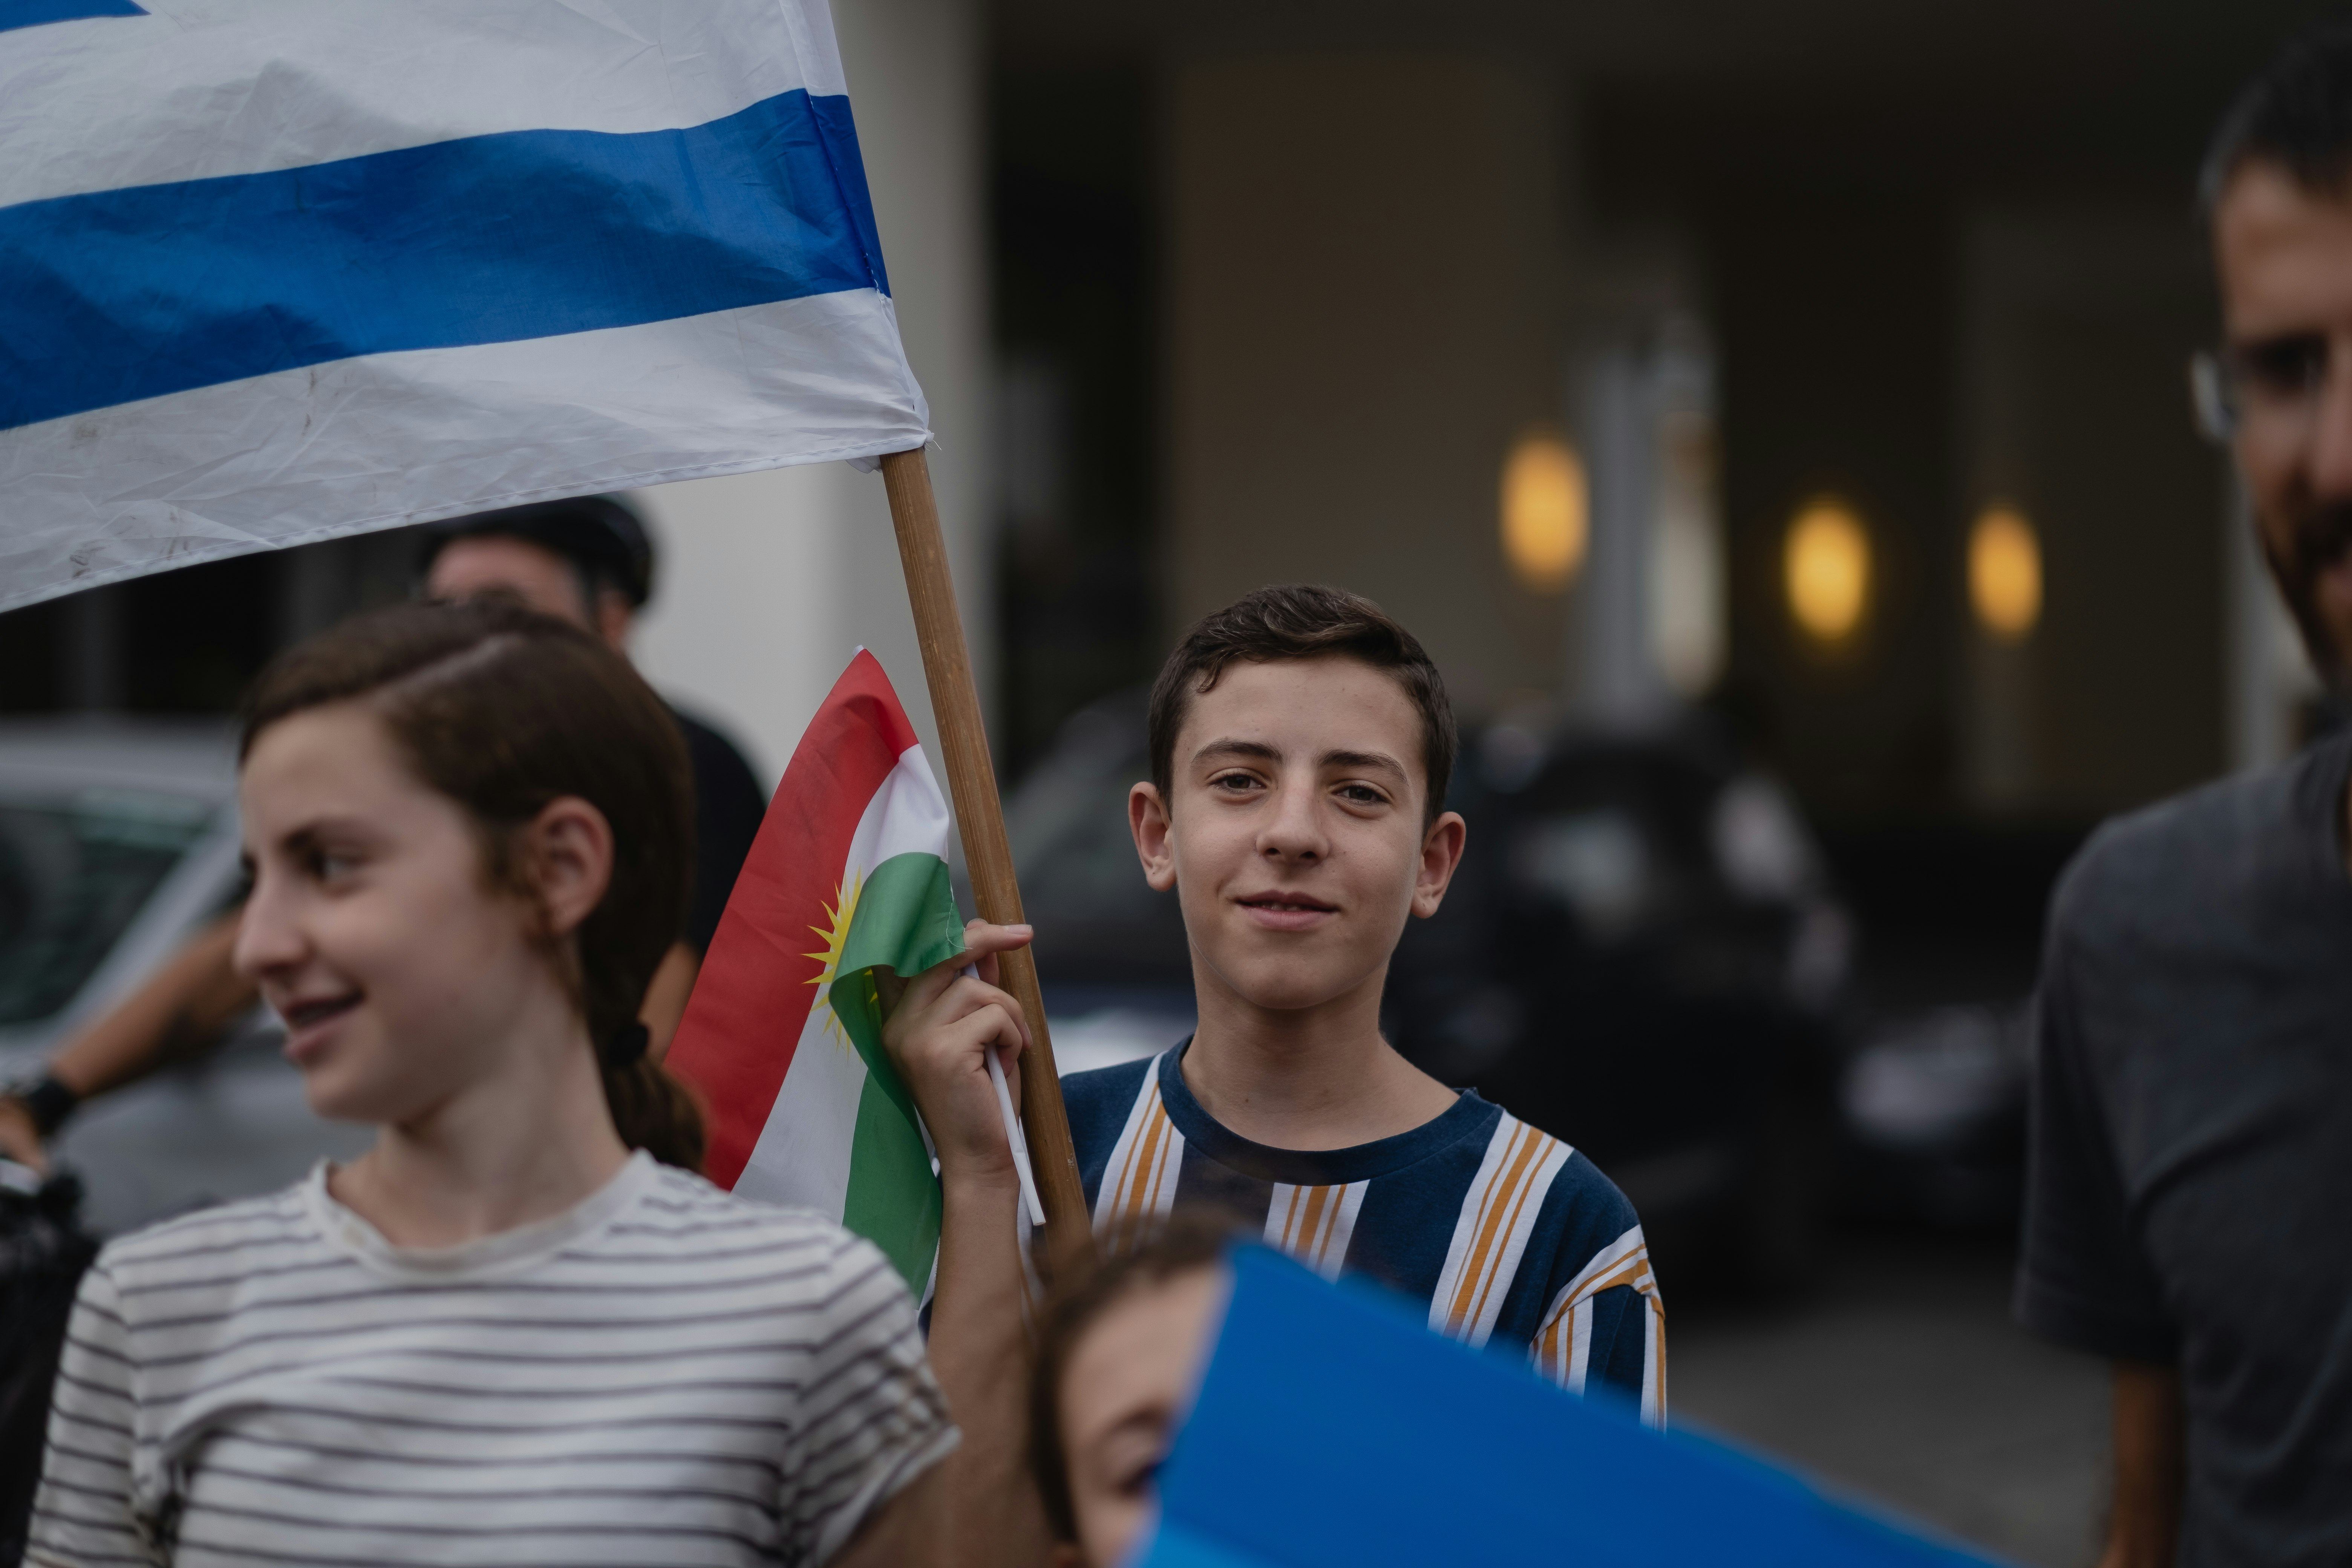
588 561
2191 1147
591 562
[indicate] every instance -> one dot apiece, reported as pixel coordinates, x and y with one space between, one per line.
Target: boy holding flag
1301 743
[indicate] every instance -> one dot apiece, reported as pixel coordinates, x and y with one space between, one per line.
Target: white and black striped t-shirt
665 1373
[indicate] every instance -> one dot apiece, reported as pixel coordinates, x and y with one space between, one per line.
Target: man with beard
2190 1208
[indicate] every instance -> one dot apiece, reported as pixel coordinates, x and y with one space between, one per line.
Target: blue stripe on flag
111 296
15 13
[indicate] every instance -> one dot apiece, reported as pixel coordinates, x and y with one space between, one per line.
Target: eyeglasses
2276 383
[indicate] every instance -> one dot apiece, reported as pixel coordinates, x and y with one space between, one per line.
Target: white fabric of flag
273 271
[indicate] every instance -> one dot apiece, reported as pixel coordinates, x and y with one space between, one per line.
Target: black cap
600 534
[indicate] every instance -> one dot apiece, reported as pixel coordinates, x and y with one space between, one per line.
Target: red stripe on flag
758 982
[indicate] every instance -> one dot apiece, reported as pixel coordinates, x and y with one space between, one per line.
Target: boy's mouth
1286 910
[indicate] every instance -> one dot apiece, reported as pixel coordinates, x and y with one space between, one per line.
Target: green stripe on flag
893 1199
905 921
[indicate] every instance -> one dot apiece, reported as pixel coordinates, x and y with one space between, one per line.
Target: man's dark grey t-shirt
2190 1197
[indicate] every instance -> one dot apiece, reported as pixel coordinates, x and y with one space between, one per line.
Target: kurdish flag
784 1036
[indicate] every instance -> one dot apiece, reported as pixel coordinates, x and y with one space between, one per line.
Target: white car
118 840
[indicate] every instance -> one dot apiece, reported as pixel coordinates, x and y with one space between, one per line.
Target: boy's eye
1237 784
1362 794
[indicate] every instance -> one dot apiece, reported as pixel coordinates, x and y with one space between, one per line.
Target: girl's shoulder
222 1242
790 1256
273 1219
689 1211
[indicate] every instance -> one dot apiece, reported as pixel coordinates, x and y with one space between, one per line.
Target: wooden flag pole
972 783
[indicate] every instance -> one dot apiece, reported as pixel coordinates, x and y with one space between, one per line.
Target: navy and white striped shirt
663 1373
1509 1234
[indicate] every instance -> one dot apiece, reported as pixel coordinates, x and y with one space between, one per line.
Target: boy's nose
1295 831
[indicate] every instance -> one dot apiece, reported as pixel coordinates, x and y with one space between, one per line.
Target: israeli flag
274 271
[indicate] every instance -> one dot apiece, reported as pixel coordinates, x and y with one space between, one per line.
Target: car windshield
74 874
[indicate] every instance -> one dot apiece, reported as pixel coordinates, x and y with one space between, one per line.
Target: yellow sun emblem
835 934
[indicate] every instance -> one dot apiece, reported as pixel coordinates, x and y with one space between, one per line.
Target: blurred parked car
118 839
1935 1105
1641 955
1647 960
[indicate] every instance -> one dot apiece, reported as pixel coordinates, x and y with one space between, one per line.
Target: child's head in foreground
1301 743
1119 1350
468 828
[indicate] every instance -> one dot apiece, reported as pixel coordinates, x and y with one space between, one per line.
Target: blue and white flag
274 271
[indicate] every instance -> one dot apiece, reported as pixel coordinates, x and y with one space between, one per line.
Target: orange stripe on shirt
1518 1152
1141 1178
1318 1204
1522 1188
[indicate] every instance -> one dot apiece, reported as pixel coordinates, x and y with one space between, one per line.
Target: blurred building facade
1938 267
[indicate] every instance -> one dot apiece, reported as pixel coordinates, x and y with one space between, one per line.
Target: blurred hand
938 1035
18 1141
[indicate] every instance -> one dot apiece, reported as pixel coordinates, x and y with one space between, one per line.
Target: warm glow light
1545 523
1826 564
2005 572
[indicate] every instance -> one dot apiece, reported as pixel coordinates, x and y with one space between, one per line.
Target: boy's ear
1147 818
1441 855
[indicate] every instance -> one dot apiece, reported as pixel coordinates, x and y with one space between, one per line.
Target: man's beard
2320 540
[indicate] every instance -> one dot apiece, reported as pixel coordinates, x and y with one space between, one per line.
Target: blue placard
1333 1428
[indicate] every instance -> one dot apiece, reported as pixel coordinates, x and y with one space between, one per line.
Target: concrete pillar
1365 294
770 580
1648 607
1617 421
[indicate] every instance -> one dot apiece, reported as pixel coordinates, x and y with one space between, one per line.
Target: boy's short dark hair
1301 621
1191 1238
2296 113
